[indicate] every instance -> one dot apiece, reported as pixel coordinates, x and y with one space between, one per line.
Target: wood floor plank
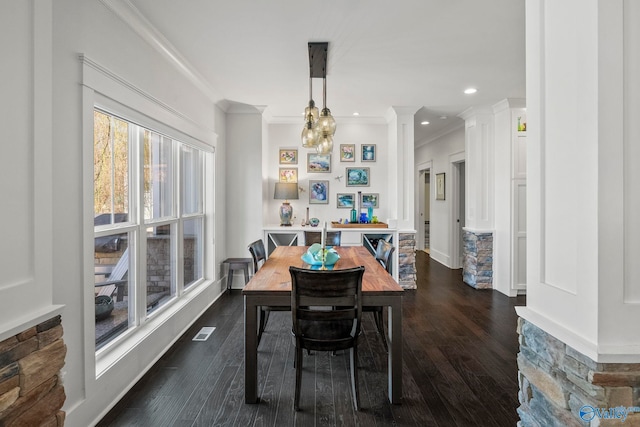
459 368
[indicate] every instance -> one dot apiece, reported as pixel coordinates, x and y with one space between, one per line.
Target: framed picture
357 177
288 156
318 192
347 152
370 200
368 152
440 186
346 200
318 162
288 174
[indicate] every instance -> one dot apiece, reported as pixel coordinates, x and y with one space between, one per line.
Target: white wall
26 116
348 132
49 232
243 206
439 152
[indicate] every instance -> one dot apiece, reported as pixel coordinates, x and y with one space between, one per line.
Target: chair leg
298 363
379 318
355 391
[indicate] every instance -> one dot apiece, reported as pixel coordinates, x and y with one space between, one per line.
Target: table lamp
285 191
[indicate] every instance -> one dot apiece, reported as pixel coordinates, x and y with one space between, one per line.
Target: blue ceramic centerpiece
313 256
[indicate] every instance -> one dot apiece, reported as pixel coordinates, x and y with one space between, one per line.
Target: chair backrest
326 307
384 254
110 285
257 253
333 238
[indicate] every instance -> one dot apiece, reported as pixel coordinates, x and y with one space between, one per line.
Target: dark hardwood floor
460 348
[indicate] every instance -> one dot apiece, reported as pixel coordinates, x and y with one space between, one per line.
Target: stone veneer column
407 260
477 270
31 392
561 387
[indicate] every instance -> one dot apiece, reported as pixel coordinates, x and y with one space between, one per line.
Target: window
148 215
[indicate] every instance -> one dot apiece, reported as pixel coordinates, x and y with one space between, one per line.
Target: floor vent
204 333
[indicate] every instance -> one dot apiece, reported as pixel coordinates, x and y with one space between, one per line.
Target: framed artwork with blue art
318 192
346 200
368 152
357 177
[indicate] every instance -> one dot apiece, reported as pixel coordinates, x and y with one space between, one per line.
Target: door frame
455 234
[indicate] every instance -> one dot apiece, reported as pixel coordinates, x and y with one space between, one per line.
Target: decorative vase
286 213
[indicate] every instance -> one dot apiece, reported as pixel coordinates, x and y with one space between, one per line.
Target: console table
275 236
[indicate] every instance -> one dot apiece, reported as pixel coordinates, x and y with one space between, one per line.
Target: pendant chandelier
319 127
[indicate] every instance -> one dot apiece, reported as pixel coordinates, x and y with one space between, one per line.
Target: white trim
30 319
131 16
140 106
598 353
440 134
479 230
454 207
441 257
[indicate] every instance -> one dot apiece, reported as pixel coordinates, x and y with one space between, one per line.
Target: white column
400 152
244 177
583 183
479 169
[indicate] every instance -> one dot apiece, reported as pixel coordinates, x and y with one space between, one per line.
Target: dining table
271 286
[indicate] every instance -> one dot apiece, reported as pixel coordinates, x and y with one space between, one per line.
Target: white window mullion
136 185
112 124
179 241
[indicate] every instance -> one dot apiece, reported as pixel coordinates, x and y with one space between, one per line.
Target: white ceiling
382 53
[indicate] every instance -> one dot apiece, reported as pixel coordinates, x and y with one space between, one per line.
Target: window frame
137 224
155 116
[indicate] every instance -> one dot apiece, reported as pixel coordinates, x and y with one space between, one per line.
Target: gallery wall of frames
330 184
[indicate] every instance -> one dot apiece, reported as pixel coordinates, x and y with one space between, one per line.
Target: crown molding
509 103
440 134
284 120
131 16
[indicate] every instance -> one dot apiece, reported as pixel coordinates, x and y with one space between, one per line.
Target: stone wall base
477 269
407 260
561 387
31 392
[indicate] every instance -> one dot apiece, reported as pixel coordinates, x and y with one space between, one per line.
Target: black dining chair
259 256
326 309
333 238
384 255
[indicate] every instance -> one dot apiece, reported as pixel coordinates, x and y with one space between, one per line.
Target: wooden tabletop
274 275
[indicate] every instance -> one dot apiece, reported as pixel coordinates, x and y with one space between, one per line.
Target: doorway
423 207
426 207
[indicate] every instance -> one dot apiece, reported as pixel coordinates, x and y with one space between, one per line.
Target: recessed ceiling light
424 123
470 90
355 113
443 117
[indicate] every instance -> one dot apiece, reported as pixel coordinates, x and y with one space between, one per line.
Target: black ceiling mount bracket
318 59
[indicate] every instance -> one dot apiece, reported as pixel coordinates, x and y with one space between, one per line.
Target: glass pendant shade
313 110
326 122
310 134
325 144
